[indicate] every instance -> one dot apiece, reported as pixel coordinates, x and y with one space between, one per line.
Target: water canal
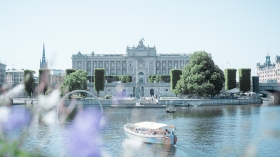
239 130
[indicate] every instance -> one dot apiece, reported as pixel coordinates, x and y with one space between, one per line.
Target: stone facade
268 72
2 73
139 61
130 89
14 76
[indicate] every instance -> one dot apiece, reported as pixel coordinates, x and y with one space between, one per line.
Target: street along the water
230 130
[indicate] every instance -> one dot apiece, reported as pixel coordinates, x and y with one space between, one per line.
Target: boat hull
156 139
168 111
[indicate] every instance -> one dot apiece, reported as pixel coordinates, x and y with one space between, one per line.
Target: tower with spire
43 62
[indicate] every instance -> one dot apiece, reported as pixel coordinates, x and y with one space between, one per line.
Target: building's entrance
141 80
152 92
133 92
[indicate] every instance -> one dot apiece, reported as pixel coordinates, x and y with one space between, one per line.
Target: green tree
201 76
230 79
244 79
165 78
99 77
69 71
152 78
74 81
124 78
180 87
44 77
158 78
217 79
175 76
29 81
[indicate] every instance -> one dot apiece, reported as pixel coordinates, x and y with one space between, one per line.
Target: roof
152 125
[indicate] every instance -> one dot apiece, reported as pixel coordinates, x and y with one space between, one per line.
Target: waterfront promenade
161 103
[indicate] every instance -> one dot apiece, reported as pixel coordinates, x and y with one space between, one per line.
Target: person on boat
167 132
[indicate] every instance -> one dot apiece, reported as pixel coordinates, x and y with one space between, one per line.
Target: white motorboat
151 132
170 108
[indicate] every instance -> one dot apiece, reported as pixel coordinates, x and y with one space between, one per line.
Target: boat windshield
153 125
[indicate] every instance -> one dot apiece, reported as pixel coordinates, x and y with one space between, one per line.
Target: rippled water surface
242 130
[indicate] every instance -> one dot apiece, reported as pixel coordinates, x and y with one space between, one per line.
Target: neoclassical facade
139 61
268 72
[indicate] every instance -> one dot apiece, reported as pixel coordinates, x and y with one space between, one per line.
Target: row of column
85 68
166 68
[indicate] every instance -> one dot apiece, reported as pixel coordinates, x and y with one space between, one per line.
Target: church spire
43 62
43 57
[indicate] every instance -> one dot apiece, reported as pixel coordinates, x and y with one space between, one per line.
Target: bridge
272 89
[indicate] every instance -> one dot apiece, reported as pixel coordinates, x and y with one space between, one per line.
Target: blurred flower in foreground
17 118
131 146
83 136
6 98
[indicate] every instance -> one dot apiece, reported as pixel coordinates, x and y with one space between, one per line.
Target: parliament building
139 62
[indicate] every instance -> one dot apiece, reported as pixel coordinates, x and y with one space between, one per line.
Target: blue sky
238 33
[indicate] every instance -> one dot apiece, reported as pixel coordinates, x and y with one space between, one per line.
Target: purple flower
18 118
83 136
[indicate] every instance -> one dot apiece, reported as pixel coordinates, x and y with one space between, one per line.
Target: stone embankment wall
182 102
177 102
206 102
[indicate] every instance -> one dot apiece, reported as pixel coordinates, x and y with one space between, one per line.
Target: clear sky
238 33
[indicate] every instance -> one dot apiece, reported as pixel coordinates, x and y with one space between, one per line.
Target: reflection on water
242 130
205 131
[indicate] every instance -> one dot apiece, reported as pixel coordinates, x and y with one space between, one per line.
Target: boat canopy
152 125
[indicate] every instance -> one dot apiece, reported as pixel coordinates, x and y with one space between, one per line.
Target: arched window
140 73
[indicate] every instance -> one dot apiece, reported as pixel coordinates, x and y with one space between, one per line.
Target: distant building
43 62
2 73
57 77
268 72
14 76
139 62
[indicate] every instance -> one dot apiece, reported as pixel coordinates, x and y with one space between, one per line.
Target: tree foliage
69 71
124 78
165 78
112 78
230 79
152 78
29 81
158 78
99 77
201 76
244 79
175 76
44 78
74 81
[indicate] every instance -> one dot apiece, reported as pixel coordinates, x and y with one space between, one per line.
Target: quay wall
176 102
